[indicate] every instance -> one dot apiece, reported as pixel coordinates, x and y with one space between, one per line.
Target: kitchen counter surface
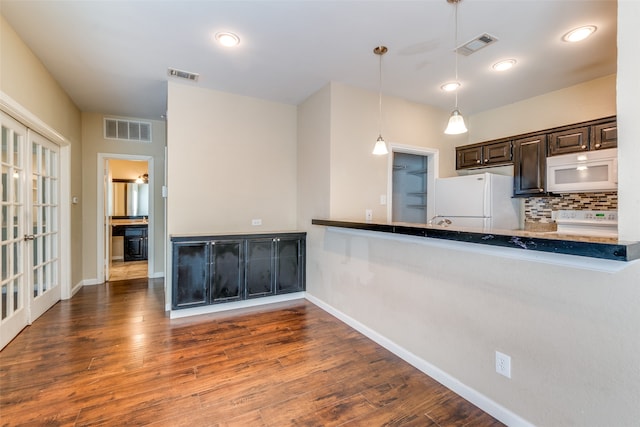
587 246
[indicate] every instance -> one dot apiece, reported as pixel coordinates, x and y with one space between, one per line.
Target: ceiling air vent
127 130
183 74
476 44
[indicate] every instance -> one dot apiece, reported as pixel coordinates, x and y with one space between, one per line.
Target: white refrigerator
482 201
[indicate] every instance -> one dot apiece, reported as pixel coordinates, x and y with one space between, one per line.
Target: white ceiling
112 56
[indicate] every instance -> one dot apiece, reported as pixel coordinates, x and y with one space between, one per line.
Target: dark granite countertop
588 246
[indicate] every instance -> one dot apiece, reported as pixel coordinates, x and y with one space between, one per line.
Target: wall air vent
183 74
127 130
476 44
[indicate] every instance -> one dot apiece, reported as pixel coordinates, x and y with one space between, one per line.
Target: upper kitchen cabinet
594 135
529 166
491 153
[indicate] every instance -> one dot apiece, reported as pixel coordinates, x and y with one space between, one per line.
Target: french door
30 246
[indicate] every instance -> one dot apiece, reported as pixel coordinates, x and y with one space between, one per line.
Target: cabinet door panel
259 267
498 153
605 136
190 274
569 141
289 266
226 271
529 166
468 157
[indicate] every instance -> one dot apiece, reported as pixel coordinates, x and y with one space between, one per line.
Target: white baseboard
157 275
481 401
91 282
216 308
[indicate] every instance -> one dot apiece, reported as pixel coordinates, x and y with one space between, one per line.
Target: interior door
30 247
44 234
13 282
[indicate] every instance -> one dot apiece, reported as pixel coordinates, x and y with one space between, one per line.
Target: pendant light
456 121
381 147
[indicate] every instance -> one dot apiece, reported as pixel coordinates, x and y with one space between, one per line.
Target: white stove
588 223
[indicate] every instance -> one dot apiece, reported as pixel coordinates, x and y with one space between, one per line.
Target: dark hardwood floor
110 356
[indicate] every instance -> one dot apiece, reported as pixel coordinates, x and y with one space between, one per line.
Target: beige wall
591 100
127 169
232 159
571 333
27 82
95 143
340 153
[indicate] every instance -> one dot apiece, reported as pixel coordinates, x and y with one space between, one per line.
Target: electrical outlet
256 222
383 199
503 364
368 214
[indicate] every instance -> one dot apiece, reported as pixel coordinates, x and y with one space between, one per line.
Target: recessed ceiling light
578 34
227 39
504 65
450 87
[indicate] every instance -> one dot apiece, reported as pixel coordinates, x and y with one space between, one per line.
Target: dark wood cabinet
492 153
135 243
529 167
290 266
604 136
220 269
227 282
191 271
595 135
260 269
569 141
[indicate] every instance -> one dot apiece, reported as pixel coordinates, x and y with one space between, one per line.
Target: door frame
31 121
102 254
433 159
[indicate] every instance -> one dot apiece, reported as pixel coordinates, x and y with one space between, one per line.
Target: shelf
417 194
417 206
418 172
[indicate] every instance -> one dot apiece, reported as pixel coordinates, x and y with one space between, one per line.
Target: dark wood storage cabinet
219 269
529 168
595 135
135 243
493 153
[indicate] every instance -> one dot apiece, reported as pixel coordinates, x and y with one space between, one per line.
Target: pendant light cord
455 50
380 97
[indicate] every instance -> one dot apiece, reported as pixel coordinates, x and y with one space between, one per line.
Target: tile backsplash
538 209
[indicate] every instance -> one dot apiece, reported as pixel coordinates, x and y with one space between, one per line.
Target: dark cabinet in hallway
220 269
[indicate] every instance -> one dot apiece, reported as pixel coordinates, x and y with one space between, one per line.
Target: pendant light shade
381 147
456 121
456 124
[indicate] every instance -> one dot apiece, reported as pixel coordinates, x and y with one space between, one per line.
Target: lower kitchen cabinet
219 269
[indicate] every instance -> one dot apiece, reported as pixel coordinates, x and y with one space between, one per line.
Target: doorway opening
412 175
125 198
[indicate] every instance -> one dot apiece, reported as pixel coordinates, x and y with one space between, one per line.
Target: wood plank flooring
110 356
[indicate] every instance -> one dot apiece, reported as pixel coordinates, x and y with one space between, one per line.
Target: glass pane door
44 231
13 310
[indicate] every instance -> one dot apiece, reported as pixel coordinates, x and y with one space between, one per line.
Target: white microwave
583 172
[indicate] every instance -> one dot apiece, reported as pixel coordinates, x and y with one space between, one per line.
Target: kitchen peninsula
608 248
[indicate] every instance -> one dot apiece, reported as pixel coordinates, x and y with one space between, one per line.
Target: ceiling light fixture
450 87
579 34
456 121
227 39
504 65
381 147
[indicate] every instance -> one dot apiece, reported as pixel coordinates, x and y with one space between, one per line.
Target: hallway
110 356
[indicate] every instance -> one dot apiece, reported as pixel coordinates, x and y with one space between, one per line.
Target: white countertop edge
573 261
